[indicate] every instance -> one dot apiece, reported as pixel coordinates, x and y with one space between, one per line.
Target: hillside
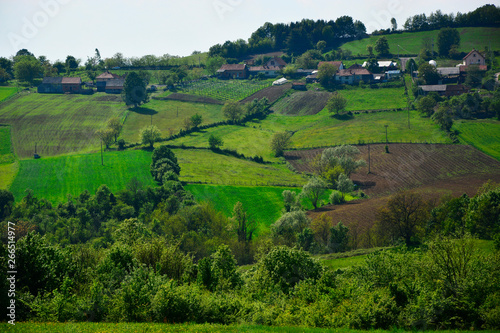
411 42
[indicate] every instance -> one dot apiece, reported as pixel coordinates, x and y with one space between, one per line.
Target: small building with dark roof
60 85
100 81
352 76
233 71
445 89
114 86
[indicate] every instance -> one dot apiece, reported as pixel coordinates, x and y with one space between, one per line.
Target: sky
57 28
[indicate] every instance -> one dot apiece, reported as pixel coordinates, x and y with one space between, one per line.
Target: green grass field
168 116
374 99
204 165
482 134
6 92
53 178
411 43
8 164
58 124
246 140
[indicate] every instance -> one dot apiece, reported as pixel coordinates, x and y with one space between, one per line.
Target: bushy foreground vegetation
152 254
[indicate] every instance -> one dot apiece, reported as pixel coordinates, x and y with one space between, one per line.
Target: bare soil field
191 98
272 93
302 103
431 170
410 166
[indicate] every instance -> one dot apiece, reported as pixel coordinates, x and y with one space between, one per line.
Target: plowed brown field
432 170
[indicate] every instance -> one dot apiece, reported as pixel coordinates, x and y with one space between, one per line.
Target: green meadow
53 178
203 165
6 92
57 123
411 42
8 163
168 116
482 134
374 99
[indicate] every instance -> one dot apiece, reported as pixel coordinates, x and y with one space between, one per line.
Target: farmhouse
114 86
276 62
352 76
101 80
60 85
474 58
267 71
233 71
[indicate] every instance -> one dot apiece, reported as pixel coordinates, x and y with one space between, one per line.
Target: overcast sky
57 28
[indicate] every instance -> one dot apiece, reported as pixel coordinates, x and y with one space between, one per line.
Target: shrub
336 198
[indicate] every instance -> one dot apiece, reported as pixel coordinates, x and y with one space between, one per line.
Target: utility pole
386 140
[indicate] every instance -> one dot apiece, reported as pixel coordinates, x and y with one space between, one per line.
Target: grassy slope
411 43
8 164
482 134
58 124
206 166
55 177
6 92
246 140
374 99
165 117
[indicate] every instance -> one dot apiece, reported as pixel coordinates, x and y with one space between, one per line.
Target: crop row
225 90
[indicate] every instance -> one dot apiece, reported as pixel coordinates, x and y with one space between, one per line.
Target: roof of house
457 87
355 66
71 80
448 70
473 50
433 87
232 67
334 63
115 84
465 68
61 80
264 68
394 72
107 75
52 80
354 71
382 63
278 61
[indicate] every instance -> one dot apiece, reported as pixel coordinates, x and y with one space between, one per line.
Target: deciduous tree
313 190
446 39
336 103
149 135
134 90
382 46
233 111
215 142
280 142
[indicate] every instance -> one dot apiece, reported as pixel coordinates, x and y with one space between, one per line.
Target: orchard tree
337 103
149 135
106 135
116 126
344 185
280 142
313 190
382 46
343 156
233 111
447 39
134 90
